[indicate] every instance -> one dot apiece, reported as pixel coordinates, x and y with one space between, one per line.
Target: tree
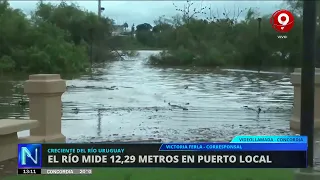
296 6
55 39
144 34
125 25
224 40
144 27
162 31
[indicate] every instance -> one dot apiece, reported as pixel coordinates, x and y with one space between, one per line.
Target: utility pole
307 88
308 76
99 8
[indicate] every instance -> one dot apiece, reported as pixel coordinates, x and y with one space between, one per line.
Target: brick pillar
296 82
44 92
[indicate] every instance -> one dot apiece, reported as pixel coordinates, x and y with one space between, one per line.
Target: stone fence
44 92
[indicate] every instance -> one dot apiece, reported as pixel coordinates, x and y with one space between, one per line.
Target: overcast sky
138 12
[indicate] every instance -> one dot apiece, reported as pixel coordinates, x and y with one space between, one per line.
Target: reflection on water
128 100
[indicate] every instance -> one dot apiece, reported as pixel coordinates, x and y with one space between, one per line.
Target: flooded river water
129 100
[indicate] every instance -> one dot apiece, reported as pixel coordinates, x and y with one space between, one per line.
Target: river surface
128 100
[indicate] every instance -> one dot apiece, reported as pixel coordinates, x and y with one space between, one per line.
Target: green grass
170 174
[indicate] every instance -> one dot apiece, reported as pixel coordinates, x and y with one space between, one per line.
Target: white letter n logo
26 153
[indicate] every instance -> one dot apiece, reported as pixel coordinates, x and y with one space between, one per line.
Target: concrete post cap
40 77
296 76
298 70
44 84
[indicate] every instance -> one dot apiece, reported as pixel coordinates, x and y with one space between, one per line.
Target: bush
6 64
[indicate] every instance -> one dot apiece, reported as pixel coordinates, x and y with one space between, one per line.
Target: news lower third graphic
29 155
241 152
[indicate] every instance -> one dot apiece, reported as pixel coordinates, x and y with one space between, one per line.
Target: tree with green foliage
125 25
296 6
64 38
144 34
225 40
53 39
34 45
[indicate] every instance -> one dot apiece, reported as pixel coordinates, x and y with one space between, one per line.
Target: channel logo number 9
282 21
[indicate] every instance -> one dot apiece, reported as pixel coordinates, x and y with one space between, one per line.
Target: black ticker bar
148 155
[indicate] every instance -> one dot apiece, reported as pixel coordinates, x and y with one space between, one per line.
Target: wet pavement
129 100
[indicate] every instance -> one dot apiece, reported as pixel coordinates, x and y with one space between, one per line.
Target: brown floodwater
129 100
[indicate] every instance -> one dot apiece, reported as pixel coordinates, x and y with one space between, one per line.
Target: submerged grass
169 174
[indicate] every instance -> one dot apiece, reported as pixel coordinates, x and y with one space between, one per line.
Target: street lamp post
259 41
91 46
259 26
308 75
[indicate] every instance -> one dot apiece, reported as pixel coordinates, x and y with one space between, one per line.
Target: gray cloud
147 11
